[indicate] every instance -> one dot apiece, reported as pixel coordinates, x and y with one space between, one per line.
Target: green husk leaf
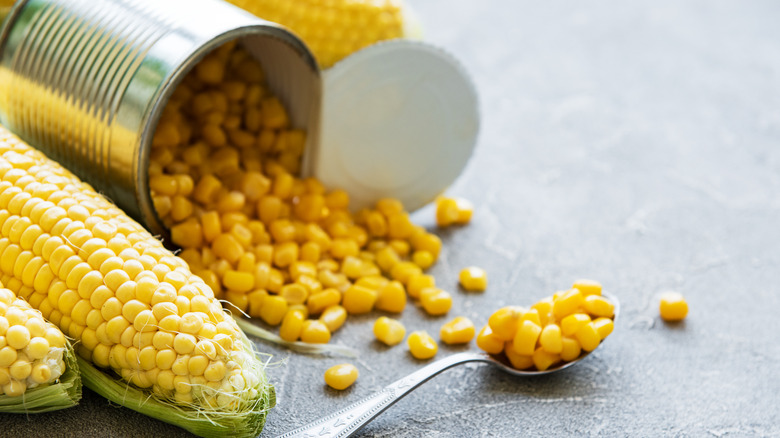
201 422
64 393
325 349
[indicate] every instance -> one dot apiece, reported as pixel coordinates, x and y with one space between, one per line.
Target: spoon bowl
348 421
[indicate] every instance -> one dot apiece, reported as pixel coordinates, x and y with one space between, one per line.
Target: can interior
291 74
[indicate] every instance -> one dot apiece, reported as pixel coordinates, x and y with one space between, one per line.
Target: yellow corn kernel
256 299
526 338
400 246
359 299
315 332
423 259
550 339
518 361
322 300
417 282
588 337
333 317
391 297
341 377
294 293
285 254
238 281
505 321
458 331
543 359
544 310
604 326
465 211
598 306
473 278
446 211
567 303
587 287
387 258
292 325
402 271
310 252
572 323
427 242
488 342
435 301
421 345
273 309
389 331
570 349
673 307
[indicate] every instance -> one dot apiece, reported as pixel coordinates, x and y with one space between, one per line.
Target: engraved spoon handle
349 420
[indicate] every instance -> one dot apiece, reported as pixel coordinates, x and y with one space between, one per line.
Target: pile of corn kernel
281 248
555 329
27 358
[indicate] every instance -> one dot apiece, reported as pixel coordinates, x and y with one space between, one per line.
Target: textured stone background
632 142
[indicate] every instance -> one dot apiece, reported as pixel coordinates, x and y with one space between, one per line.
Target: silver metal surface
348 421
85 81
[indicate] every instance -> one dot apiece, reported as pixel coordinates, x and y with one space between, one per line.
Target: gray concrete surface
631 142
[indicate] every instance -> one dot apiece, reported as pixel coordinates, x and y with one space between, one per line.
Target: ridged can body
86 81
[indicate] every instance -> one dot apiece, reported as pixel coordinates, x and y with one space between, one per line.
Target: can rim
265 29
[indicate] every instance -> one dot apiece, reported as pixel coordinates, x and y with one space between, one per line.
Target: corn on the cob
134 308
334 28
34 358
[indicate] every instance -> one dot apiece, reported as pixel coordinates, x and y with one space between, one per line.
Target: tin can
86 81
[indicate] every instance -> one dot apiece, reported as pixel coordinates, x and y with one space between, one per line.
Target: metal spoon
348 421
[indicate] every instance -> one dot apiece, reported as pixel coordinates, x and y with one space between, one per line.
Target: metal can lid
399 119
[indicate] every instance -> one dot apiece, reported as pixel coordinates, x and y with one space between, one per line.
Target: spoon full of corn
348 421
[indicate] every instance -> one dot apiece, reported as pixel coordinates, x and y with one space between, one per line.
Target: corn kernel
473 278
458 331
389 331
421 345
567 303
315 332
322 300
570 349
572 323
598 306
435 301
359 299
587 287
518 361
446 212
273 309
341 377
673 307
550 339
527 335
543 359
391 297
292 325
604 326
488 342
333 317
417 282
423 259
588 337
504 322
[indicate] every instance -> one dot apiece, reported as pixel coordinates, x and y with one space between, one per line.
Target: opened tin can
86 81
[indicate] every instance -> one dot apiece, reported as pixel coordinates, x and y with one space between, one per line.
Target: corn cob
135 309
334 28
34 358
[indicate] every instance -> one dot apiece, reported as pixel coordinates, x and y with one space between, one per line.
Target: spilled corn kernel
673 306
342 376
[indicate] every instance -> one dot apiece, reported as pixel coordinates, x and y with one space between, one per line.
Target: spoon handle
346 422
